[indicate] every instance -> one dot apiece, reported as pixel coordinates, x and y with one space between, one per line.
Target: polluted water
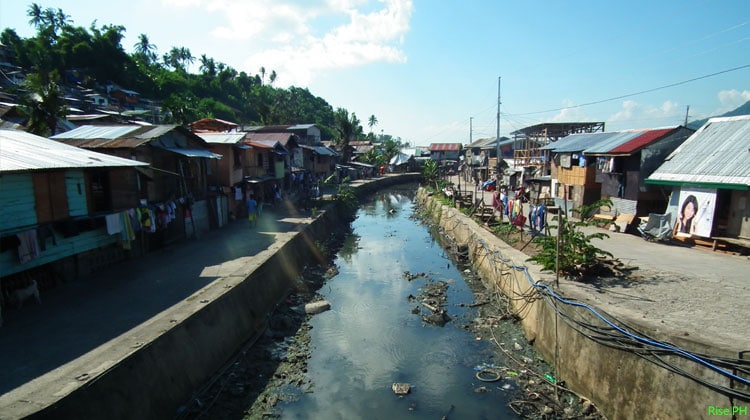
394 342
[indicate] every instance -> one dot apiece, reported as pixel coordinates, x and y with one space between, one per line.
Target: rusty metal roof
718 153
445 147
609 142
22 152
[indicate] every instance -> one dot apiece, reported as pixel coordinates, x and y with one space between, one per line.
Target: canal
375 334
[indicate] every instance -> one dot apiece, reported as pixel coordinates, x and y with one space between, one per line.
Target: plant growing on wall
430 173
577 255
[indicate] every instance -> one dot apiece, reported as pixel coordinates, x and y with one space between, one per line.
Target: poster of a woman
695 212
686 222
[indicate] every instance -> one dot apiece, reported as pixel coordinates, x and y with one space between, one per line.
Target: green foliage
577 254
505 231
44 104
348 129
346 196
430 171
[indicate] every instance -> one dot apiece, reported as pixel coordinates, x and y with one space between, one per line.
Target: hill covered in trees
741 110
62 54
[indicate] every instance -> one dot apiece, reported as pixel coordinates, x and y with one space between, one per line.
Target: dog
19 296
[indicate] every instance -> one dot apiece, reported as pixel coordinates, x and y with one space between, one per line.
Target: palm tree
36 14
145 48
372 122
262 75
208 66
272 77
178 58
348 128
45 103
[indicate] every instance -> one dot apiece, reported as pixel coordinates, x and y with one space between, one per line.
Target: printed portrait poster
695 212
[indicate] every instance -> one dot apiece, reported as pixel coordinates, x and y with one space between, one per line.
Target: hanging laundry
114 224
28 249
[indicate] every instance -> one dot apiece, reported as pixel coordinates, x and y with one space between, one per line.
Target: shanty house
266 167
176 187
709 175
586 167
625 160
319 160
445 151
228 172
62 209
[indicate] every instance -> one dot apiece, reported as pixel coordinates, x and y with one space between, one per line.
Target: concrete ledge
620 383
149 371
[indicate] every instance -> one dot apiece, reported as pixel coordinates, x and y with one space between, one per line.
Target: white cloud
635 115
300 39
628 111
569 113
731 99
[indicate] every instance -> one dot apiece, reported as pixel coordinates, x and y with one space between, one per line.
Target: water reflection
371 339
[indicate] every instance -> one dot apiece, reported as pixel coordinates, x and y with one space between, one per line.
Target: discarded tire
488 375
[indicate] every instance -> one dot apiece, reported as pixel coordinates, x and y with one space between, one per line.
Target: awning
201 153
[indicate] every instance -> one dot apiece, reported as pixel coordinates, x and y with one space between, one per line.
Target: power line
638 93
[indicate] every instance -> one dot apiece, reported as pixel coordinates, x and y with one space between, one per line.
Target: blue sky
429 70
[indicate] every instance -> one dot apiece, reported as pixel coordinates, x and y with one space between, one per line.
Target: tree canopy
94 58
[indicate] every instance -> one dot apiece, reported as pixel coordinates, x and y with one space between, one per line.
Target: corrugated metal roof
301 127
719 152
617 138
90 132
445 147
578 142
321 150
279 137
612 142
155 131
643 140
119 136
489 143
222 138
22 152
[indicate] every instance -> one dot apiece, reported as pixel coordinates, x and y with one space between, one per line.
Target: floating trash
401 388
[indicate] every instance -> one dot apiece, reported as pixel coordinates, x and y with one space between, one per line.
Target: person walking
252 210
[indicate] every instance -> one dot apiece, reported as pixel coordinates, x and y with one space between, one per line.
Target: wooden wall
17 198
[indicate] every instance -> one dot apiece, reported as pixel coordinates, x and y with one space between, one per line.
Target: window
51 196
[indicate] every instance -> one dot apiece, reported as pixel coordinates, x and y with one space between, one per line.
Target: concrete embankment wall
151 370
621 383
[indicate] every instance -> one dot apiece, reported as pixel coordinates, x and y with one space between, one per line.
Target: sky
438 71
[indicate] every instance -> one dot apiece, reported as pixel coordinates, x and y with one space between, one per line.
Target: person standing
252 210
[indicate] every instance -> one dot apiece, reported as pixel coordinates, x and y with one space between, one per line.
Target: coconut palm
36 13
44 103
272 77
372 122
348 128
145 48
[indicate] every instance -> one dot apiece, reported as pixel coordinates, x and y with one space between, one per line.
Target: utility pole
497 135
687 112
471 129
